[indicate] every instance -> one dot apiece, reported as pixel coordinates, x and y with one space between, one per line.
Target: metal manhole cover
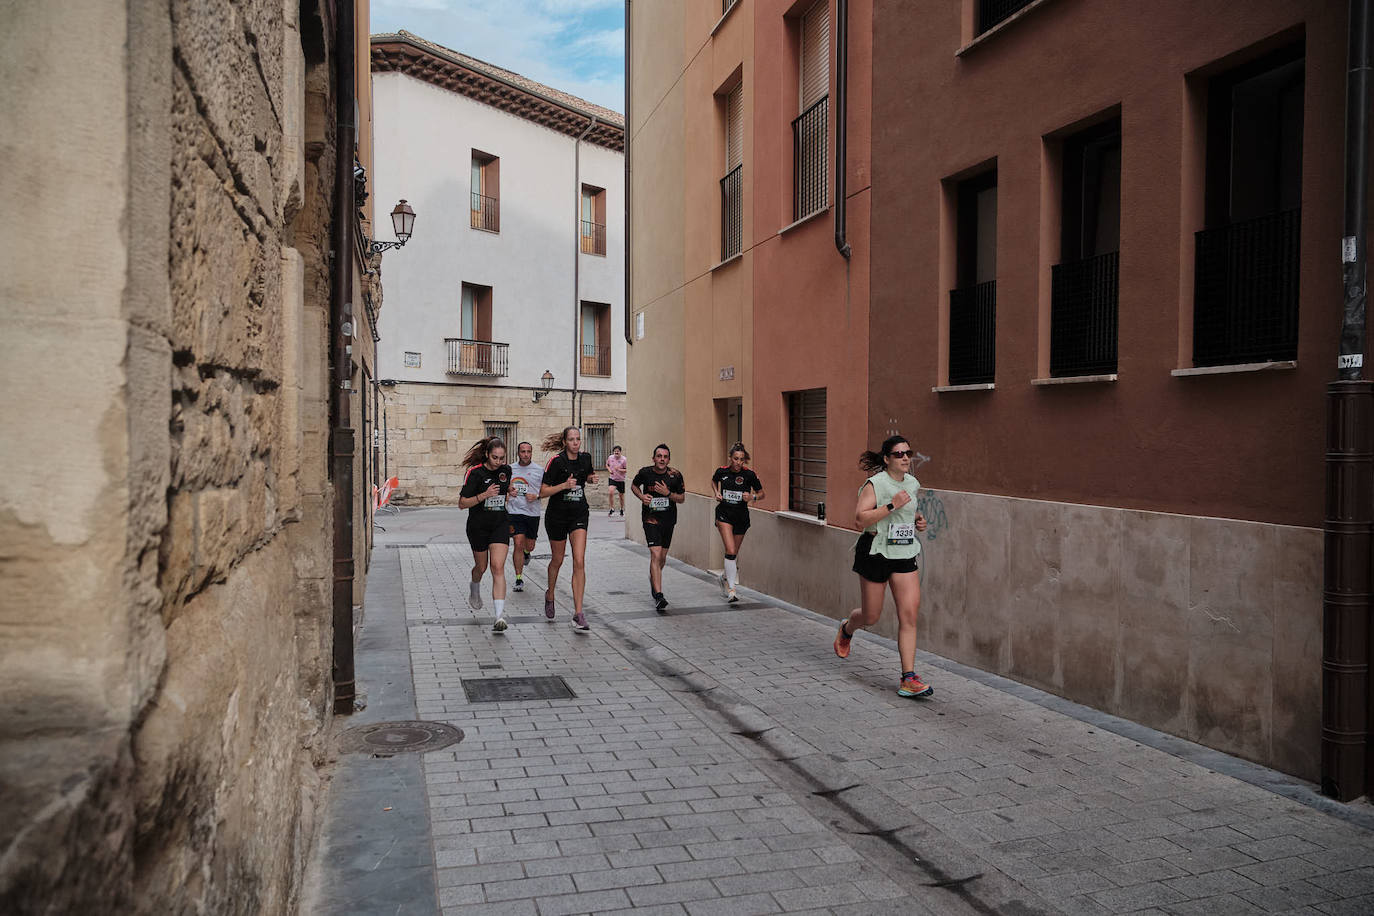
387 738
498 689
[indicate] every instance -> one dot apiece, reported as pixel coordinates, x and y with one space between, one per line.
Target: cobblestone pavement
718 760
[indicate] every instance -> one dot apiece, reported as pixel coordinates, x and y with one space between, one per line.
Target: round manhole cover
389 738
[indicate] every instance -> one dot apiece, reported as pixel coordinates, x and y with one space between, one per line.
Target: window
505 430
595 333
598 443
593 220
412 359
732 185
473 352
810 128
1083 303
486 192
991 12
1245 283
973 301
806 450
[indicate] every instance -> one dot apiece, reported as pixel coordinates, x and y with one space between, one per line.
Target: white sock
731 572
500 606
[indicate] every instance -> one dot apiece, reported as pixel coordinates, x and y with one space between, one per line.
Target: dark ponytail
557 442
872 462
480 450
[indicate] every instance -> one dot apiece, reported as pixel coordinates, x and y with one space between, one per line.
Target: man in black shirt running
659 489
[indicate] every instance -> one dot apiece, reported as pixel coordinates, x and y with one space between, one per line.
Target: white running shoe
724 584
732 597
475 595
499 625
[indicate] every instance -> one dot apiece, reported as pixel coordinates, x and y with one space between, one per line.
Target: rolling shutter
734 131
815 54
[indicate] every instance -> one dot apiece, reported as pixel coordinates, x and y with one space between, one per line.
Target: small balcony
486 212
1245 291
811 191
593 238
1083 316
991 12
596 360
731 213
973 334
477 357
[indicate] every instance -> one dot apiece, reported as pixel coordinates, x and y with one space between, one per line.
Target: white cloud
573 45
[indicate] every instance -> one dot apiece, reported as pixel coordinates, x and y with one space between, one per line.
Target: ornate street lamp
547 381
403 222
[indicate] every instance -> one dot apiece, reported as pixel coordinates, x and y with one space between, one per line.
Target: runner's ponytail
873 462
480 450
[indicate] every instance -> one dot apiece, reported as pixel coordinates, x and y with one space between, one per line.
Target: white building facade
515 271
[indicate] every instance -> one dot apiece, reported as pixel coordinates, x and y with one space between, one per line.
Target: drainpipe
340 326
629 336
841 121
1346 727
577 268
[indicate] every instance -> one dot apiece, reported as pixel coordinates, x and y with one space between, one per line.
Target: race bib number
658 503
519 486
732 496
496 502
574 495
901 533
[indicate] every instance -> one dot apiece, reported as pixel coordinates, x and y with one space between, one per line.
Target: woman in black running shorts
735 486
484 496
566 477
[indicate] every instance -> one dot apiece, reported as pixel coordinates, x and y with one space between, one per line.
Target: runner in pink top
616 464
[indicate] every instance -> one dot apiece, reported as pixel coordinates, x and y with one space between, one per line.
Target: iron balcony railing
486 212
593 238
477 357
596 360
731 213
991 12
809 136
1245 291
973 334
1083 316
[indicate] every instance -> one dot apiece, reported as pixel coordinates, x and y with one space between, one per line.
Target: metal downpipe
629 337
1346 758
841 124
577 268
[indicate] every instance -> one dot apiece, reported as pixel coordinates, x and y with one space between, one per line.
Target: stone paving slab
727 762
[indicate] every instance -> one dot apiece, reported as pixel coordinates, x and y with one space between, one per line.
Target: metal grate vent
514 689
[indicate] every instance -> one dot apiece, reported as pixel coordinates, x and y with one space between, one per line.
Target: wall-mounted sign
727 373
412 359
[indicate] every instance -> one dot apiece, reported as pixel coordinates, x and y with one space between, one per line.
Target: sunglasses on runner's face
904 453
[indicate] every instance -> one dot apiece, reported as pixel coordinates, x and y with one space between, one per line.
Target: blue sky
577 46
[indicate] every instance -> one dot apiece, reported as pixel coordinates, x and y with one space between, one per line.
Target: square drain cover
497 689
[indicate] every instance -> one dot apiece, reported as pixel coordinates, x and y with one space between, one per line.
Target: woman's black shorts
619 485
874 566
735 517
558 526
482 535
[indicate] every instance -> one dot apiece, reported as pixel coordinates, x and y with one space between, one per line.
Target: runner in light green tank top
885 555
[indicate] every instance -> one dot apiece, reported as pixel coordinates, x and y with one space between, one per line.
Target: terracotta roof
504 89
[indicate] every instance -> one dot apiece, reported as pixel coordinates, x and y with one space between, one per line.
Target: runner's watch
891 508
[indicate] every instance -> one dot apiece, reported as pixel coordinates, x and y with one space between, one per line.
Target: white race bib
574 495
658 503
496 502
901 533
519 486
732 496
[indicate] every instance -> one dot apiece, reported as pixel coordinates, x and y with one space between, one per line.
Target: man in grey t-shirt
523 509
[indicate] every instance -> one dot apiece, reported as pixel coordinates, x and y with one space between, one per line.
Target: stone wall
1205 628
166 536
431 427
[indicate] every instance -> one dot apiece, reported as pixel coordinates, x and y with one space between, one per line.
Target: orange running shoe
913 686
842 642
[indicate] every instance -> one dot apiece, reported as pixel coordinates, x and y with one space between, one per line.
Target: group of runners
503 503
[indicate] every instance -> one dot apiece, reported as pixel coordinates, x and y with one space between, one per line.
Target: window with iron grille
1245 281
973 301
593 220
598 443
991 12
732 185
505 431
485 192
1083 298
806 476
810 136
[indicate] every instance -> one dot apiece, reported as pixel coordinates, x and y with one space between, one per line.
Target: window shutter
734 133
815 54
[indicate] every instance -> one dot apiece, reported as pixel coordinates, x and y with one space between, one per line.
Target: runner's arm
868 512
